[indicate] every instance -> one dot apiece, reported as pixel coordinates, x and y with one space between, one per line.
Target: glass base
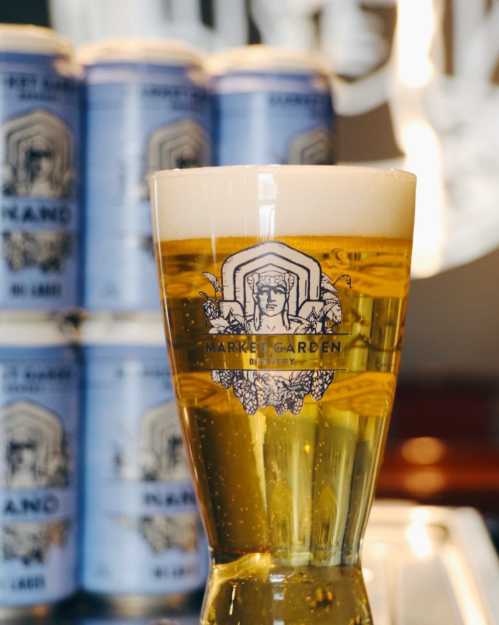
255 590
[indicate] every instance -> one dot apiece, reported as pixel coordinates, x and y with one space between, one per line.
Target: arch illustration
37 156
271 256
179 145
158 454
33 448
312 148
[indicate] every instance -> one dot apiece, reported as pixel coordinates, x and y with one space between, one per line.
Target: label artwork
39 180
35 457
138 489
272 289
37 164
35 451
160 457
37 157
38 480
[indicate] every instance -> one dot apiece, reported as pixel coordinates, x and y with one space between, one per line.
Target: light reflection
267 195
424 158
416 27
425 482
232 601
419 540
423 450
464 589
367 574
416 23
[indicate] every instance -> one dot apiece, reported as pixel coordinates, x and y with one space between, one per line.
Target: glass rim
362 170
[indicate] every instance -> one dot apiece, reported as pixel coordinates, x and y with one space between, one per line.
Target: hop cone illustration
223 377
320 383
306 379
211 308
245 391
250 403
263 396
295 403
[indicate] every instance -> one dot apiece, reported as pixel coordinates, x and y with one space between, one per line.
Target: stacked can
39 129
39 220
147 108
38 465
271 105
142 535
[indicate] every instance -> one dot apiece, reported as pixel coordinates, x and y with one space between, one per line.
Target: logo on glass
272 289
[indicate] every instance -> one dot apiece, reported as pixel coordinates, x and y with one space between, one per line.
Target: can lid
26 330
141 329
33 39
263 58
162 51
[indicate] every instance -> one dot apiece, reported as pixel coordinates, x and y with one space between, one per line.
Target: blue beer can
147 108
39 407
142 539
40 95
271 105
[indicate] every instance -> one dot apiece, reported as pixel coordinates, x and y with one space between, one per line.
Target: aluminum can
142 537
39 423
147 108
40 96
271 106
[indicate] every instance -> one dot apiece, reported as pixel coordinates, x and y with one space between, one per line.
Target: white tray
430 566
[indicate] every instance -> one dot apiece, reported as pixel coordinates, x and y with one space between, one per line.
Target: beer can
40 94
38 465
143 545
271 105
147 108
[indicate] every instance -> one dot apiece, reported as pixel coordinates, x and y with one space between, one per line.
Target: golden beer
285 352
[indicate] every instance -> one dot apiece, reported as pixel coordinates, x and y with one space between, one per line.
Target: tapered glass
284 292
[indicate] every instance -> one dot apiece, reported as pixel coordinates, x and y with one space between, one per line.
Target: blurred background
416 85
422 97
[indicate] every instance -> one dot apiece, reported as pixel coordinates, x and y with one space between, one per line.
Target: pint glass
284 291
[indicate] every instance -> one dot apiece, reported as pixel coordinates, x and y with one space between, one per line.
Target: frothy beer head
282 200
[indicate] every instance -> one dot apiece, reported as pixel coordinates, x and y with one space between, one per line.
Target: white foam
282 200
33 39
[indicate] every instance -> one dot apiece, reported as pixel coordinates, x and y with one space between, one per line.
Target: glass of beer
284 291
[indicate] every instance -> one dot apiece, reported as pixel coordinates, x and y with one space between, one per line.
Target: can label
39 134
140 118
38 460
263 118
140 505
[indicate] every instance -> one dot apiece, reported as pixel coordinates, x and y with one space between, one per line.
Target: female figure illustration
22 459
39 166
271 291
